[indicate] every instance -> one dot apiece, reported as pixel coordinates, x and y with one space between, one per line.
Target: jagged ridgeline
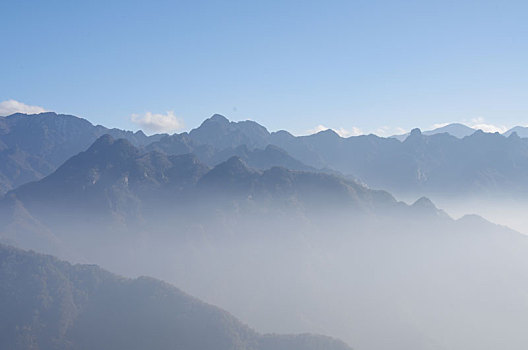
46 303
33 146
113 186
453 160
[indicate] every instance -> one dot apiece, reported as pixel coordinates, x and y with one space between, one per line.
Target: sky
353 66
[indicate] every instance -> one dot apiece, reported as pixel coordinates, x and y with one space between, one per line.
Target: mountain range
455 129
115 185
461 130
264 225
421 164
522 131
33 146
440 161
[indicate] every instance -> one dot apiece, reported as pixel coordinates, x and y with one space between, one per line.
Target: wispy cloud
477 123
153 122
340 131
439 125
9 107
347 133
316 129
480 123
386 131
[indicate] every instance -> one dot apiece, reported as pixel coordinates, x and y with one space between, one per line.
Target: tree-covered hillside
49 304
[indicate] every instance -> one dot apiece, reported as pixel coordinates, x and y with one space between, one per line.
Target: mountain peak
221 133
458 130
522 131
112 148
234 166
425 206
514 135
233 175
416 132
425 203
212 123
327 134
102 142
275 149
234 163
218 118
415 137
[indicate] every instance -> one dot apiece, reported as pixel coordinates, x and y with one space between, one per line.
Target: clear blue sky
286 64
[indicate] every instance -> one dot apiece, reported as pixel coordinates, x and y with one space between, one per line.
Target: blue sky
356 66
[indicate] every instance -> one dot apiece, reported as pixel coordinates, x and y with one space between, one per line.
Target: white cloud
347 133
340 131
152 122
317 129
387 131
480 123
9 107
439 125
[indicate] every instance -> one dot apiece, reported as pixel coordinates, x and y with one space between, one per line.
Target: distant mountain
115 168
481 164
222 133
115 185
49 304
110 178
422 164
455 129
521 131
270 156
33 146
259 158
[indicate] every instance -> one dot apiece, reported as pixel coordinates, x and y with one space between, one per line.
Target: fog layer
285 251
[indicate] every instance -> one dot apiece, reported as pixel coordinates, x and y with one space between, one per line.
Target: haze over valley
287 233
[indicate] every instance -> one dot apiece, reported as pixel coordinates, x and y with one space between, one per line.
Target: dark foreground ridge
51 304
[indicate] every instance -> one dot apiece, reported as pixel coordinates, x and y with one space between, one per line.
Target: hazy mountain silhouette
266 158
480 162
454 129
32 146
259 158
115 185
521 131
110 179
50 304
117 167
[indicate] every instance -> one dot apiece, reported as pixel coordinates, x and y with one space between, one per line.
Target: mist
290 248
372 271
